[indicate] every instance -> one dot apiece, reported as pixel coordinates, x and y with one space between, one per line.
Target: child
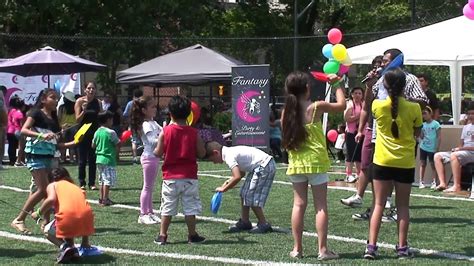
180 144
105 143
430 141
305 141
143 125
253 194
73 216
459 156
398 122
41 144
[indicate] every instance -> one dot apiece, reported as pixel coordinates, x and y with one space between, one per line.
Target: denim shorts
37 162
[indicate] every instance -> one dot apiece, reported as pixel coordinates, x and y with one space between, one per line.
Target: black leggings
12 146
87 156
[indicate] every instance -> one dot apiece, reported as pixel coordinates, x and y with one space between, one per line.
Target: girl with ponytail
398 123
303 137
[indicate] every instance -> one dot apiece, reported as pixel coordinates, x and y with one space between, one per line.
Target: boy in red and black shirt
180 145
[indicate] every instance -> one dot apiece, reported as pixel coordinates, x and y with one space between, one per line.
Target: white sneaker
145 219
155 217
421 185
388 204
351 178
433 185
352 201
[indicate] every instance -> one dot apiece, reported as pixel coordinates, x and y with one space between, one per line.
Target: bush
222 121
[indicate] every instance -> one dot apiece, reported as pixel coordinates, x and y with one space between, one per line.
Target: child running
430 142
305 141
73 216
398 123
143 125
181 145
40 129
260 168
105 143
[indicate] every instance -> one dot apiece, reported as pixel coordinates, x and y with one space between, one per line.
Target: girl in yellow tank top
303 137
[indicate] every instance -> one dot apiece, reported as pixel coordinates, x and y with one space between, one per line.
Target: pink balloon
471 4
334 36
343 69
332 135
468 11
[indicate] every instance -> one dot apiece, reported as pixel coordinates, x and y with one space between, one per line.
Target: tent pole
210 102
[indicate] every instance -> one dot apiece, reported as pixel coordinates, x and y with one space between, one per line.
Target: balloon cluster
468 10
336 53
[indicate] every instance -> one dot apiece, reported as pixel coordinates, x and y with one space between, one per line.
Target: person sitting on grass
181 146
105 143
254 192
73 216
458 157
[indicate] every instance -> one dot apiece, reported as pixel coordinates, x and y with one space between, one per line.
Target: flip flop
20 227
440 188
450 190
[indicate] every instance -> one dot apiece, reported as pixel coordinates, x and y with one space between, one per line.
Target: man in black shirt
434 103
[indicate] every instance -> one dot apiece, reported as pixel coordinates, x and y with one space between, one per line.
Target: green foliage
222 121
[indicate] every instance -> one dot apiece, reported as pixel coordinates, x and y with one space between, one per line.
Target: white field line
178 256
354 189
279 229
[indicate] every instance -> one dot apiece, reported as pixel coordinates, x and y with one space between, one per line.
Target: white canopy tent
448 43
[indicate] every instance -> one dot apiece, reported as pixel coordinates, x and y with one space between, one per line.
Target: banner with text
250 105
28 88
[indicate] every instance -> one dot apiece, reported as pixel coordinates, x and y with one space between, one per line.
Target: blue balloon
57 86
396 62
327 51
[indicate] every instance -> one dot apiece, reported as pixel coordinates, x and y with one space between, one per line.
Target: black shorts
426 155
400 175
353 148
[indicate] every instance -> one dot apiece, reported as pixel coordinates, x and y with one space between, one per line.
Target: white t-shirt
468 135
150 130
245 157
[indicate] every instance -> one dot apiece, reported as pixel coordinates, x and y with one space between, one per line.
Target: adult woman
351 116
86 109
67 121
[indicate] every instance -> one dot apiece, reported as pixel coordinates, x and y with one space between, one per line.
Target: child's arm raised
340 103
236 176
159 150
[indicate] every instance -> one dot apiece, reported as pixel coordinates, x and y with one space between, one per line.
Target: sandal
440 188
20 227
296 254
328 255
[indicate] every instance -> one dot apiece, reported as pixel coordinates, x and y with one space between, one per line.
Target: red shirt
180 152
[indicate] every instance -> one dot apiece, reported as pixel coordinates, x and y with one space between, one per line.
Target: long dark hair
294 132
137 117
39 105
395 80
60 173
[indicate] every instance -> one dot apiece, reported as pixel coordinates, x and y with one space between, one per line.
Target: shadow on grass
118 230
237 240
434 207
101 259
443 220
20 253
125 189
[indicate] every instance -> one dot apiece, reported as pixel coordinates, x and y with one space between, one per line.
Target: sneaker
352 201
433 185
351 178
155 217
421 185
194 239
240 226
83 187
370 252
388 203
362 216
390 216
93 187
404 252
107 202
161 240
261 229
19 164
145 219
65 253
329 255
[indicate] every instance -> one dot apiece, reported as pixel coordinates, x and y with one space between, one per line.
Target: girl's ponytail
137 117
395 80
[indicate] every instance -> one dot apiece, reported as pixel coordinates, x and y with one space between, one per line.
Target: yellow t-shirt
390 151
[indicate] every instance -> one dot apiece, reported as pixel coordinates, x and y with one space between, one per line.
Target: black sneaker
261 229
240 226
161 240
390 216
370 252
66 253
404 252
194 239
362 216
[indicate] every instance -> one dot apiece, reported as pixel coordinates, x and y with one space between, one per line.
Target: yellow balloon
347 61
189 119
339 52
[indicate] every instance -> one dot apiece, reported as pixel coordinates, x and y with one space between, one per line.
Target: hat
70 96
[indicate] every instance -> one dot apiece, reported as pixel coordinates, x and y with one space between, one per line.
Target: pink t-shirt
15 119
351 127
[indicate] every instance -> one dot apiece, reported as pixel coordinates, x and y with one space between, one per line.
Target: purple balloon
468 11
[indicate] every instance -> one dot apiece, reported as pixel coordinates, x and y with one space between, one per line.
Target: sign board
250 106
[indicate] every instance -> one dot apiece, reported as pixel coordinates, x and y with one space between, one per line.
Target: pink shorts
367 153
